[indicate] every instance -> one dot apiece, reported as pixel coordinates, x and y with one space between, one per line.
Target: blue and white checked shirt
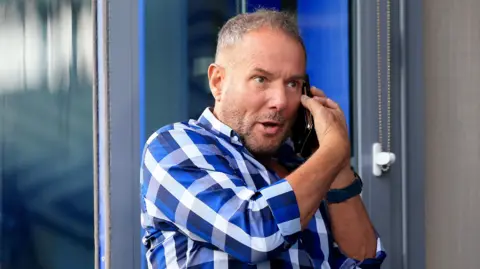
207 203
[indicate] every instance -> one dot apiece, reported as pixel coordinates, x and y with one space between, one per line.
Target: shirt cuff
283 204
368 263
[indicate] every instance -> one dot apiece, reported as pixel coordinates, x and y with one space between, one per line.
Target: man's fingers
324 100
321 100
332 104
327 102
311 102
317 92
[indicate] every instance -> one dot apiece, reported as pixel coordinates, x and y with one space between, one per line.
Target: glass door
46 134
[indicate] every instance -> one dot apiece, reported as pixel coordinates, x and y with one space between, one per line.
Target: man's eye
260 79
293 84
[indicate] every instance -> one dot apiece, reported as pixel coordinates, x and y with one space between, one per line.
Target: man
223 191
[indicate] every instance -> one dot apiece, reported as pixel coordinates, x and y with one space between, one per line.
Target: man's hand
313 179
330 125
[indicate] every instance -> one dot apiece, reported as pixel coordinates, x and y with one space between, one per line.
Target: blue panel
270 4
324 25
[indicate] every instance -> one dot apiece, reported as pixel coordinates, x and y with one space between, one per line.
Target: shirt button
235 139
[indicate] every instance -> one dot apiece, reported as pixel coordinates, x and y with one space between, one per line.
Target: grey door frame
395 200
118 134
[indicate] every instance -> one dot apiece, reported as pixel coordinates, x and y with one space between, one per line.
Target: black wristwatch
340 195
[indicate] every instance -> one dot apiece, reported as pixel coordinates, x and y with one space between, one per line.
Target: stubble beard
251 140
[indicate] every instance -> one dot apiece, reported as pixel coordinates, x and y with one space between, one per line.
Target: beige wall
452 80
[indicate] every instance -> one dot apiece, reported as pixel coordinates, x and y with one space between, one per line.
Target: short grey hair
234 29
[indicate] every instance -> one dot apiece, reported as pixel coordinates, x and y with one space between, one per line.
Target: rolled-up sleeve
187 181
342 262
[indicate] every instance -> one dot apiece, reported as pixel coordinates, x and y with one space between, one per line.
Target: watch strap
340 195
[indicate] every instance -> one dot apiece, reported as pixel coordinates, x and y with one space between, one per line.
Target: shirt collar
210 122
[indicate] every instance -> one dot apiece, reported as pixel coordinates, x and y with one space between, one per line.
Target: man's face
261 88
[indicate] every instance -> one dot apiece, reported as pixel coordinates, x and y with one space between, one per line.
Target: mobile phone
303 131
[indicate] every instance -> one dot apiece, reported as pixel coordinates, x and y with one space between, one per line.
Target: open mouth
271 127
270 124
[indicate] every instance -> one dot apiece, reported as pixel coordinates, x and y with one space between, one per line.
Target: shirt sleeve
343 262
186 180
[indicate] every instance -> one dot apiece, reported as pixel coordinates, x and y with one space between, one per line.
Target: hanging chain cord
379 80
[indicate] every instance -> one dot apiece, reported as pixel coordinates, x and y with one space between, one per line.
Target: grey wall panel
452 79
414 249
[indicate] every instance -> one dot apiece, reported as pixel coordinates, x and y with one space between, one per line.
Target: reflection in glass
205 18
180 43
46 170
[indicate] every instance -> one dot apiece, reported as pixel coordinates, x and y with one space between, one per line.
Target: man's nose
278 98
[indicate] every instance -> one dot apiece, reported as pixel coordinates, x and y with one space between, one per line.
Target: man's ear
215 80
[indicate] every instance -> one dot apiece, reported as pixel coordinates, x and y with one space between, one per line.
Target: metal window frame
118 131
395 201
